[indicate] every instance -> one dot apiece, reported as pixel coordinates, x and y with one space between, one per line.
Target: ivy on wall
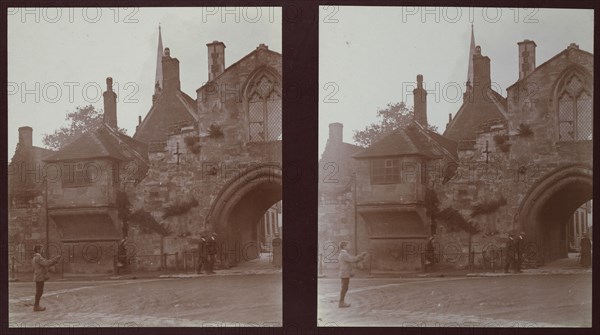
502 142
215 131
123 210
455 222
179 208
193 142
524 130
148 224
488 207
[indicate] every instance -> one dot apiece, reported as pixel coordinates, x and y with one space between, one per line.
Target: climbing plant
488 207
502 142
148 224
215 131
524 130
455 222
179 208
123 210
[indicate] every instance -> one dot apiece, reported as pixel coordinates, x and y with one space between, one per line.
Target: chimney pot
139 119
526 58
171 80
420 102
110 105
336 132
216 59
481 78
26 136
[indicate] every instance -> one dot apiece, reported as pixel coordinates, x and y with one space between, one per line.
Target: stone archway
547 207
239 206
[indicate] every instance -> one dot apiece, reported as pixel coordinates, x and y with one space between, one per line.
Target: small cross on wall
177 153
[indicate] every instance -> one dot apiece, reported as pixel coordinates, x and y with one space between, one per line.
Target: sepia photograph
145 167
455 167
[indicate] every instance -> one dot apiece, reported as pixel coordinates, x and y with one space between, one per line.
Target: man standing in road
40 274
346 270
510 252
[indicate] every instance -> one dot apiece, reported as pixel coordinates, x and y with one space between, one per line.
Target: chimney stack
216 59
526 58
336 132
481 76
110 104
25 137
170 67
420 102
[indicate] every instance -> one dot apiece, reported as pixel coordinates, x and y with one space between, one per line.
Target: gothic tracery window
264 110
574 111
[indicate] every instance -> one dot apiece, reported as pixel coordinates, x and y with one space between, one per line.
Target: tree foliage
393 116
81 120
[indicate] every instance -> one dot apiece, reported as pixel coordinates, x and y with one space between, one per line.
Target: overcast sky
369 55
68 53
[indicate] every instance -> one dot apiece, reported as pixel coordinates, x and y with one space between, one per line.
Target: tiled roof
471 115
407 141
168 109
103 141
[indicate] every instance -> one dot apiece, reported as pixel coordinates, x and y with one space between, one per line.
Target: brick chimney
481 75
336 132
526 58
420 102
216 59
110 104
25 137
170 73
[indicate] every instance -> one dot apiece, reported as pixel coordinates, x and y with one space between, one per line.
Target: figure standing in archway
585 251
211 250
509 250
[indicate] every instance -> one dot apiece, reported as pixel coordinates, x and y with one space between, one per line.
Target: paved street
513 300
218 300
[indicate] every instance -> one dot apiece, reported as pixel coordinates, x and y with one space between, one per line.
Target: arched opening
547 212
247 215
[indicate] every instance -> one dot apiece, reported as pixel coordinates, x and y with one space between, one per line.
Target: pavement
569 265
254 267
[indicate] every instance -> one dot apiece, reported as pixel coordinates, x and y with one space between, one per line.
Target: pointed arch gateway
546 208
239 206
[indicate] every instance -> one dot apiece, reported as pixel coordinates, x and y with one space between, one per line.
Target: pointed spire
159 69
471 52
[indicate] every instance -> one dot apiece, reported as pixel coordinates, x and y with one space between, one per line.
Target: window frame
384 174
574 101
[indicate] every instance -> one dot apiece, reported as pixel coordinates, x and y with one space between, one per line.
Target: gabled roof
250 54
412 140
104 141
543 65
472 114
166 110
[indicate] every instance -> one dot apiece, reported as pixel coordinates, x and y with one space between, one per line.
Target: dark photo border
300 40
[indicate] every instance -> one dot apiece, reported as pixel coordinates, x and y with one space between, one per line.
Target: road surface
214 301
514 300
